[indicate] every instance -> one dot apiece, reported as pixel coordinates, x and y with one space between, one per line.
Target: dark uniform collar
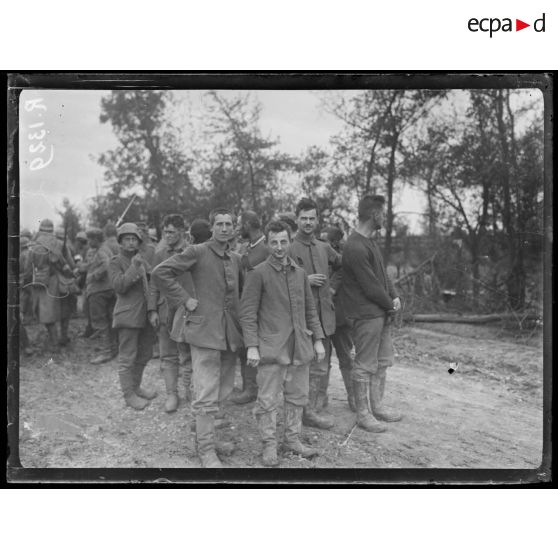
279 267
303 240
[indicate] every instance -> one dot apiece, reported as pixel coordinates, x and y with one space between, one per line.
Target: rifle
121 218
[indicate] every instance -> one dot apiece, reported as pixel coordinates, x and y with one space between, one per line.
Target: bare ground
488 414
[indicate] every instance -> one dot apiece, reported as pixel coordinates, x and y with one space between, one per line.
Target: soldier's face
307 221
94 242
279 243
243 230
223 227
378 218
172 235
130 243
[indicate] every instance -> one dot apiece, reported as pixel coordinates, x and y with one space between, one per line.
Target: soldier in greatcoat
128 272
211 325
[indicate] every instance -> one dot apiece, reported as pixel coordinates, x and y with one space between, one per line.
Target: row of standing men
278 304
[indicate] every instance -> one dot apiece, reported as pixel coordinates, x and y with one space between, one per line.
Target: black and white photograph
333 273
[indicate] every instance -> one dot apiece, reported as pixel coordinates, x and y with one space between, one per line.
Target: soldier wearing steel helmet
46 263
129 272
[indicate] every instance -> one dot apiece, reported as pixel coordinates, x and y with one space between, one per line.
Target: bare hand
153 318
397 304
317 279
319 349
252 356
191 304
137 260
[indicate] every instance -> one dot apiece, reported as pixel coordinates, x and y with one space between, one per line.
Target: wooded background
475 156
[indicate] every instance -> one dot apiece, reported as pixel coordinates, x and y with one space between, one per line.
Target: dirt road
488 414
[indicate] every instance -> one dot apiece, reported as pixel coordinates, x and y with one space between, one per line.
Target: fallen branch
466 319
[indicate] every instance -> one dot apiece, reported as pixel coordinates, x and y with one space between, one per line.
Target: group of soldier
278 300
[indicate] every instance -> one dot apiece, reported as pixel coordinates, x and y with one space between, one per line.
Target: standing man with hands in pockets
282 334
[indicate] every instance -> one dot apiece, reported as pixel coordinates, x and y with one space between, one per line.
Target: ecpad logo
492 25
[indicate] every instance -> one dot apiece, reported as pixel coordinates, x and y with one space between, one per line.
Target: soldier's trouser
135 346
213 378
101 306
174 356
343 344
276 380
373 347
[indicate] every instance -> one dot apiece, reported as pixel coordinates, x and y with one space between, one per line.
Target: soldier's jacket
98 279
44 265
276 303
112 244
366 290
316 256
131 306
157 299
217 282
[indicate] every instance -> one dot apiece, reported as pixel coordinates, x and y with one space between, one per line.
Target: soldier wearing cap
100 295
174 355
128 272
46 264
368 300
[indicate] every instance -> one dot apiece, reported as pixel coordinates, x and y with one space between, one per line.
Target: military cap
26 233
81 236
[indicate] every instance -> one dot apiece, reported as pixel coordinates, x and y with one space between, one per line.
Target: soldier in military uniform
253 252
128 272
211 322
100 296
173 355
47 266
316 258
281 332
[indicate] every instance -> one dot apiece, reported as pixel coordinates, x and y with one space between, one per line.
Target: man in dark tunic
368 301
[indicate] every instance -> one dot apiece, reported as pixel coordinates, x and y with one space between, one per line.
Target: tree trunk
389 190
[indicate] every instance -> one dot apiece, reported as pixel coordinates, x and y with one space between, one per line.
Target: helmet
46 226
81 236
128 228
25 233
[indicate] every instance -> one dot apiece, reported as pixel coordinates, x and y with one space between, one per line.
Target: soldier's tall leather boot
249 392
127 385
293 427
349 387
380 411
322 400
52 338
365 419
64 339
107 353
267 425
137 375
310 416
205 442
170 376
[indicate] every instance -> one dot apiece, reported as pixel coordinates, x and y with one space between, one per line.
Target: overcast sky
75 137
67 123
